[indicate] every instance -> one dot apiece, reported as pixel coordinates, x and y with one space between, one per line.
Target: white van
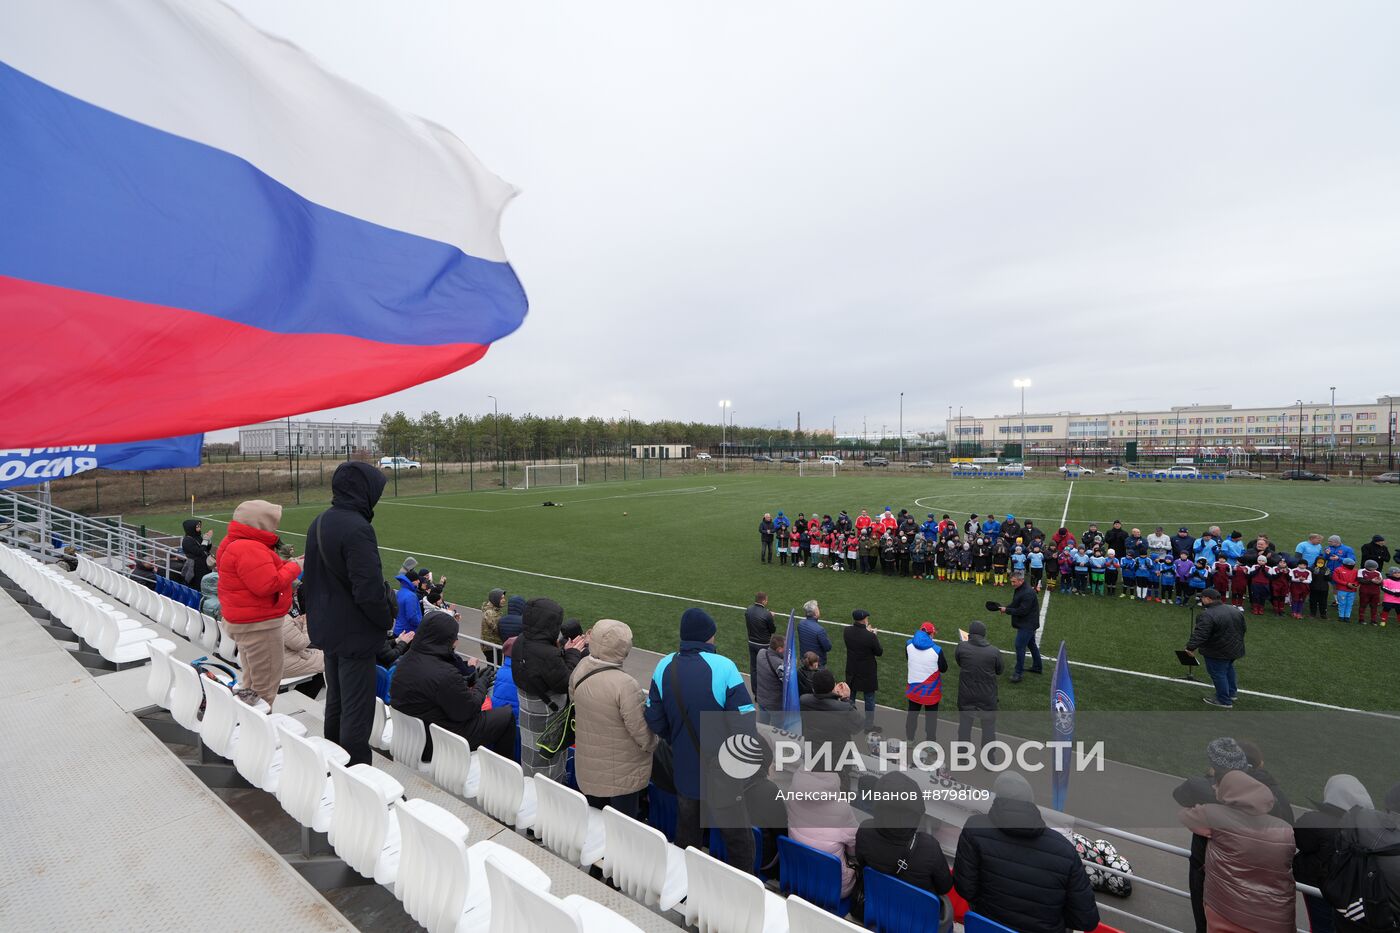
831 458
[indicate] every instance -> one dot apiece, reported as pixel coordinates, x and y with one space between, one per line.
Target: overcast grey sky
814 206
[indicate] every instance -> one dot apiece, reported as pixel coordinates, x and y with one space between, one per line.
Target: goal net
551 474
816 468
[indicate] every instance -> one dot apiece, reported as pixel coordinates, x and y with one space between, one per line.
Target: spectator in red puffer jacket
255 592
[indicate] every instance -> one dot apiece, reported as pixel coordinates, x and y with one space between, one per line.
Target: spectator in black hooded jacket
433 684
195 546
348 611
541 666
891 841
1012 869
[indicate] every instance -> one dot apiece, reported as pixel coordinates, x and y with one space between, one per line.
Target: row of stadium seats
170 611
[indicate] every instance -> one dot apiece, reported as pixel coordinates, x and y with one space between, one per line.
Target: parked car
922 465
1016 467
399 463
703 456
1304 474
1116 471
831 458
762 458
878 462
791 459
1175 472
1386 478
1065 468
1242 474
967 466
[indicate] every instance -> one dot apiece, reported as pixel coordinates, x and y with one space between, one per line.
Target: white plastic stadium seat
186 694
219 731
454 768
566 824
442 881
364 829
641 863
516 905
383 729
121 641
160 680
722 899
809 918
258 754
209 628
408 741
504 793
304 789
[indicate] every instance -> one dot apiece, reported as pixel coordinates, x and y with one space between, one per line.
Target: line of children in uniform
983 553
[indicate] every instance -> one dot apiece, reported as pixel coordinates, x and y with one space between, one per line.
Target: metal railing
41 527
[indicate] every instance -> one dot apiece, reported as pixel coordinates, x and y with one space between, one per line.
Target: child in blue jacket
1127 566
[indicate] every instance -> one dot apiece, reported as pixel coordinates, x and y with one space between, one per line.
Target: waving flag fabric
1062 720
792 658
203 228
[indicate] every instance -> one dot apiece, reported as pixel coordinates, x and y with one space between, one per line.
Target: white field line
696 601
1045 603
683 491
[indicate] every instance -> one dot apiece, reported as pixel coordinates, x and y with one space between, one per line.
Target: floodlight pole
1333 416
901 425
1022 384
724 406
1299 457
629 446
496 407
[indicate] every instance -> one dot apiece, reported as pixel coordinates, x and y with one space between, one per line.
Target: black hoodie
429 685
343 590
195 550
1013 869
540 666
891 842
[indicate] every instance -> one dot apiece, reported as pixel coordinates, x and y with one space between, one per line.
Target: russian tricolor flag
201 227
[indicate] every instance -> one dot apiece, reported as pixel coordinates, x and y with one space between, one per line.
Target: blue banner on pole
30 466
1062 719
792 709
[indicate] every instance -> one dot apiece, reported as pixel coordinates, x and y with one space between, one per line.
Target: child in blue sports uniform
1081 571
1018 560
1035 560
1147 578
1200 577
1097 565
1110 573
1127 566
1166 578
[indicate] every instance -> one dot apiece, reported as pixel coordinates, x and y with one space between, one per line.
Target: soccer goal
551 474
816 468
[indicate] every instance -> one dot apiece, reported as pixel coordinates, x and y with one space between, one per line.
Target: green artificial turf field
644 551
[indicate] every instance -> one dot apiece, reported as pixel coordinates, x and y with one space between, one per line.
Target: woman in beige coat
613 746
298 657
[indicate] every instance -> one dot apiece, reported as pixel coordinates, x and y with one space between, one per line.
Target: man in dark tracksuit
348 614
759 622
685 686
979 666
1023 610
765 539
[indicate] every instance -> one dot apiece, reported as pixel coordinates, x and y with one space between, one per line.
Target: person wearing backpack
1363 879
613 746
1316 835
1249 862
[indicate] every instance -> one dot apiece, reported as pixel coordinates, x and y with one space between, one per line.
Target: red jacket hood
238 530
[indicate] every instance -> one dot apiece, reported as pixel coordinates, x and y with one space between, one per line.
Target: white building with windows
308 437
1309 425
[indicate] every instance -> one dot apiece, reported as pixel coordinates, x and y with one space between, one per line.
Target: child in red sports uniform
1239 583
1259 586
1220 576
1299 584
1368 590
1344 588
1278 586
852 551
